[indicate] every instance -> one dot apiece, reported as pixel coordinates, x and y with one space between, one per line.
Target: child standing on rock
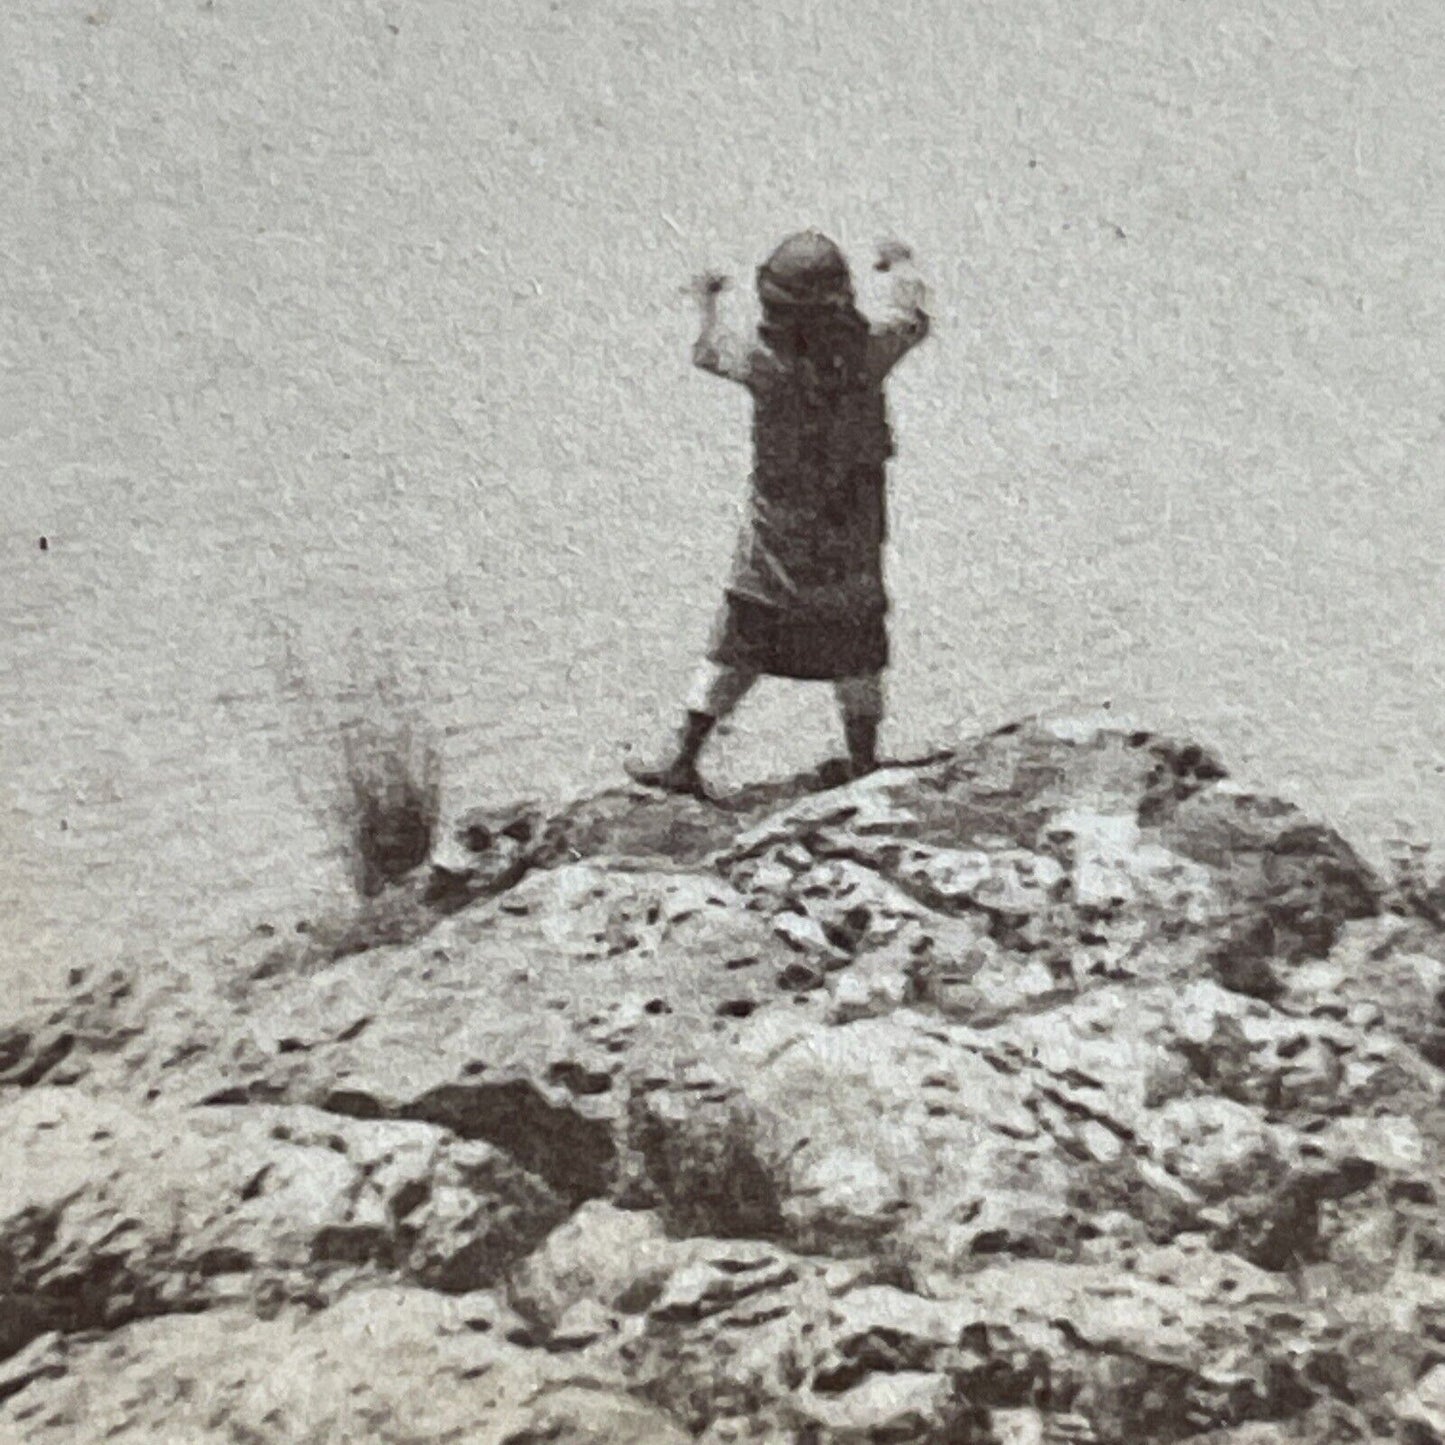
806 597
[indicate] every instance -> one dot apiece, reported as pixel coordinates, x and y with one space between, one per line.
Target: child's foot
674 776
836 772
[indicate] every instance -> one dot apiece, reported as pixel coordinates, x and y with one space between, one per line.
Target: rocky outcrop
1054 1089
108 1213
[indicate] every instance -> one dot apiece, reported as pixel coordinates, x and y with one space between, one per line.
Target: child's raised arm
717 348
906 322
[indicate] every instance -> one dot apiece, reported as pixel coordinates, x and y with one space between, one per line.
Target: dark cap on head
806 270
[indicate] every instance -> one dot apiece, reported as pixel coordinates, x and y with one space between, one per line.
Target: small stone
1102 1143
875 985
805 933
901 1405
846 1191
1018 1427
1422 1410
583 1324
767 875
800 976
1365 1016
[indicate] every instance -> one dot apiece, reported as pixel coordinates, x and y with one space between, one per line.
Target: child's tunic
806 597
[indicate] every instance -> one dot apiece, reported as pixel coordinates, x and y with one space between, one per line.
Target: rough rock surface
1051 1090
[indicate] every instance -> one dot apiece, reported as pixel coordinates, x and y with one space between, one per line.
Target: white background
358 324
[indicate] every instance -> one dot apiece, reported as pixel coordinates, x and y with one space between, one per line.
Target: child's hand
708 285
892 253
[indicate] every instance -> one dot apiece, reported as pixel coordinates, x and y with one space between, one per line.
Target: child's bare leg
715 693
861 701
717 690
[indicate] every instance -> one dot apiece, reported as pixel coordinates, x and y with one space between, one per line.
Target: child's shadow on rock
760 799
772 794
632 823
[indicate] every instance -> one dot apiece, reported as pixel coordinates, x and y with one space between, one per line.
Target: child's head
807 270
809 316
